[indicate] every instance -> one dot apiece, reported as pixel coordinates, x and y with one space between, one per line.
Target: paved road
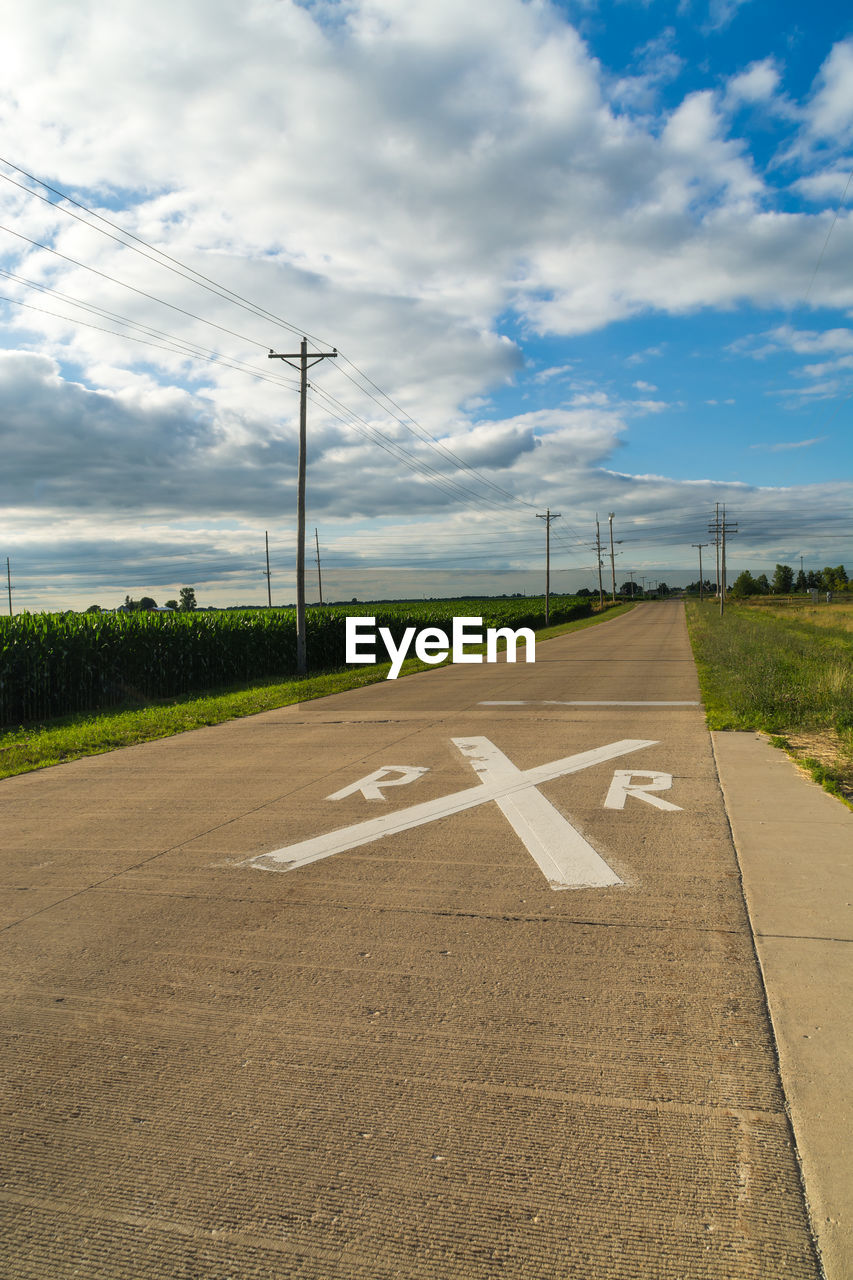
415 1058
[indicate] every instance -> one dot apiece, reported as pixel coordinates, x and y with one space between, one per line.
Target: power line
178 346
452 486
203 281
828 234
36 244
185 348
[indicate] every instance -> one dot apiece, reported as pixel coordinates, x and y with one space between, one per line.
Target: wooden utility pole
700 545
548 517
319 574
9 584
306 362
269 581
610 516
598 559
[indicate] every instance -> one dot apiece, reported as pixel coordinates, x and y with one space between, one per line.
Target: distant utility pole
631 576
700 545
9 584
319 574
303 366
715 531
548 517
720 528
598 558
269 581
610 516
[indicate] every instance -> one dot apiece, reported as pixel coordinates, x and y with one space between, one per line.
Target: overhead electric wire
124 285
195 277
411 424
116 316
451 485
211 357
828 234
186 349
217 357
207 282
212 286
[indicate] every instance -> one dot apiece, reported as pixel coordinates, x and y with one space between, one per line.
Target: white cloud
520 186
757 84
784 446
830 114
722 12
397 179
827 366
827 187
658 63
800 342
639 357
556 371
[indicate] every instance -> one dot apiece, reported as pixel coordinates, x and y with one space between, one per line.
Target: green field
57 664
39 744
785 671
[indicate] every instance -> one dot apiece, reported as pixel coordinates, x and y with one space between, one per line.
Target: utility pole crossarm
290 356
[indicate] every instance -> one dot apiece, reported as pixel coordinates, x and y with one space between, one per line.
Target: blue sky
585 256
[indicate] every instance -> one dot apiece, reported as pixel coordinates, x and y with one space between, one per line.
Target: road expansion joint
646 925
806 937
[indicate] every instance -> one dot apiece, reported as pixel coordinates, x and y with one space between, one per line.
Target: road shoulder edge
794 846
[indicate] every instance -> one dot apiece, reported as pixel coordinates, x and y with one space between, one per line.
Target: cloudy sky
589 255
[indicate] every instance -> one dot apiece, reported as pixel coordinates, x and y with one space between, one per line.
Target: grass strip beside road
37 746
787 677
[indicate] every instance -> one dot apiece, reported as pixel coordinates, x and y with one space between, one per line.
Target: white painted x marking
565 858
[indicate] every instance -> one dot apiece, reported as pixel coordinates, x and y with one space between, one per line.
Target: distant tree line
633 591
186 604
784 583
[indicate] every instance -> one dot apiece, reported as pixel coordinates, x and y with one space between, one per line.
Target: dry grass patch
830 752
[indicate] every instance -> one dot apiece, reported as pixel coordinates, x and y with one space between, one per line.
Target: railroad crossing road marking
566 859
561 853
371 787
623 785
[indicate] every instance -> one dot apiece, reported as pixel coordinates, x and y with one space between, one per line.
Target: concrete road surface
258 1031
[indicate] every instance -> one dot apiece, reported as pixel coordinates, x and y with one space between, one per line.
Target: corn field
58 664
